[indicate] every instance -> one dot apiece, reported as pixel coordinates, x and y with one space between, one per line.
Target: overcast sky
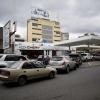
76 16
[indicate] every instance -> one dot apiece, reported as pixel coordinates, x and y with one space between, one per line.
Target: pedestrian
47 59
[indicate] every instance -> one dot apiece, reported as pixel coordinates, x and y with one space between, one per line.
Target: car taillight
5 73
63 63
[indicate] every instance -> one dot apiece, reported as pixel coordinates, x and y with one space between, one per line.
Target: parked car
62 63
12 57
96 57
22 71
76 57
86 56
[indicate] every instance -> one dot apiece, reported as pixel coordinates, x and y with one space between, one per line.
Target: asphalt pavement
81 84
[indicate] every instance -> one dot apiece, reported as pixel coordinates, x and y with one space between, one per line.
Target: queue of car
18 68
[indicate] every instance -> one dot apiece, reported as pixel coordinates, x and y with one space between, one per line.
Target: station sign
37 12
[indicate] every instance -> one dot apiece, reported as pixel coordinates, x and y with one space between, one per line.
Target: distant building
65 36
18 38
43 30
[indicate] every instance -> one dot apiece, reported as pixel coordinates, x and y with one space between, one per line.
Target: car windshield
56 58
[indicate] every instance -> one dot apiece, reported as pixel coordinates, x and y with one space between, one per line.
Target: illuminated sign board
37 12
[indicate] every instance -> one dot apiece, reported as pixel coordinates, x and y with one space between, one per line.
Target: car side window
38 65
11 58
21 58
27 65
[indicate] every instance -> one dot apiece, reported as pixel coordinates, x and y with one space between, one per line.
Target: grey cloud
87 8
74 15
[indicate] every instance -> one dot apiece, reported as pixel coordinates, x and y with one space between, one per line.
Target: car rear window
74 55
83 54
56 58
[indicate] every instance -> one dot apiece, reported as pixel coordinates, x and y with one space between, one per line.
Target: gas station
90 41
86 43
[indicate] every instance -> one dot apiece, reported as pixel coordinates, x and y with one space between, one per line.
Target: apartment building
43 30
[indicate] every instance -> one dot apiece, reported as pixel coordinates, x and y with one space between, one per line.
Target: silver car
62 63
22 71
12 57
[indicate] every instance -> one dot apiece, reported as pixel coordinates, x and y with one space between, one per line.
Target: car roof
60 56
10 54
74 54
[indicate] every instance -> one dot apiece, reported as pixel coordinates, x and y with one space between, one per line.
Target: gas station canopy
86 40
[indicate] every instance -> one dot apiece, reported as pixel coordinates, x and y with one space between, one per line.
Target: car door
29 70
41 69
71 62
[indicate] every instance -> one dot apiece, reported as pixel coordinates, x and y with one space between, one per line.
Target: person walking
46 60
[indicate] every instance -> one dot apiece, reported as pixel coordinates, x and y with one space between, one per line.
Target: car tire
51 75
76 66
22 81
68 69
86 60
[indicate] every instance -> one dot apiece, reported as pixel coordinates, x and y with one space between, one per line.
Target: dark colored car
96 57
77 58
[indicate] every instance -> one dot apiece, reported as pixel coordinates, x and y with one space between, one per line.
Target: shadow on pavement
15 85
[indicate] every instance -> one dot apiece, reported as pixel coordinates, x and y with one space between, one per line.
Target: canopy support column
69 47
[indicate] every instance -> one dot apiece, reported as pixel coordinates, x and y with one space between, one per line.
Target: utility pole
12 37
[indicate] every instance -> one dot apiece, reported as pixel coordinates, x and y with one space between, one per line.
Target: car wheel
86 59
76 66
51 75
22 81
67 69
